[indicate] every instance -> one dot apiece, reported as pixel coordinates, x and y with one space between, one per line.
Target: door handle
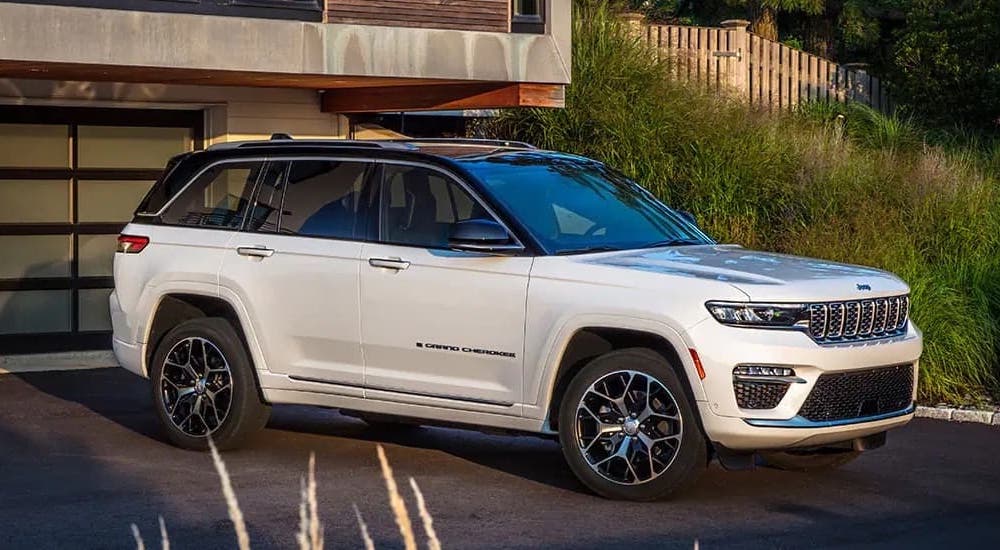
255 251
389 263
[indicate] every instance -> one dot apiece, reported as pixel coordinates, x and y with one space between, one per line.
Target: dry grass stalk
315 530
369 543
302 537
432 539
164 539
235 514
397 504
310 535
139 545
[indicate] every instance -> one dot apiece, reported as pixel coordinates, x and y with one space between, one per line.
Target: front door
437 322
295 267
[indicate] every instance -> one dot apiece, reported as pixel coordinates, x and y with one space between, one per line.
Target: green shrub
865 188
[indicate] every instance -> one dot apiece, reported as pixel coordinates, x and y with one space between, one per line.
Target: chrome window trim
368 159
194 178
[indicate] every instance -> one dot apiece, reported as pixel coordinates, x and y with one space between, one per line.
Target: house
95 96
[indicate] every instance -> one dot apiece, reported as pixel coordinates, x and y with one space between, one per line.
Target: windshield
575 205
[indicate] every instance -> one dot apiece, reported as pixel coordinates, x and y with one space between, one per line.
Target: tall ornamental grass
845 184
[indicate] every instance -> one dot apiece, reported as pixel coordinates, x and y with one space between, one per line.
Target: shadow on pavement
59 491
111 393
527 456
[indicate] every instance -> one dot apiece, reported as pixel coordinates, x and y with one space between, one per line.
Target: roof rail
333 143
468 141
407 143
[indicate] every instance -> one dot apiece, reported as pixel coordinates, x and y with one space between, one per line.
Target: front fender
540 384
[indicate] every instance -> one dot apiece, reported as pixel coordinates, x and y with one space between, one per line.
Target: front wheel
627 428
204 386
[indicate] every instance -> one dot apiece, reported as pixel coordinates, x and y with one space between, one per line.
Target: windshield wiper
570 251
673 242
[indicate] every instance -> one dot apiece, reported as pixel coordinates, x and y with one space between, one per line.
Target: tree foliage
946 61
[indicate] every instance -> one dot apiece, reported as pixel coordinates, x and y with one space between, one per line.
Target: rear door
437 323
295 267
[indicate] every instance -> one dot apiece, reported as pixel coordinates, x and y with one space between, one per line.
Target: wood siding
471 15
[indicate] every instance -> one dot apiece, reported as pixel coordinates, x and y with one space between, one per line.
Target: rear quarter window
165 188
219 197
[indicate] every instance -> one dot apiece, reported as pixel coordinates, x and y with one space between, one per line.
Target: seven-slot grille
857 394
858 319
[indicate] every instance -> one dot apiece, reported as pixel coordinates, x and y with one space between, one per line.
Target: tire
676 460
192 402
808 461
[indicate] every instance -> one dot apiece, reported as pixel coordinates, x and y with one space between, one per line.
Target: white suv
492 284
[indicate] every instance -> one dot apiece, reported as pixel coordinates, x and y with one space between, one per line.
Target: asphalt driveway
81 459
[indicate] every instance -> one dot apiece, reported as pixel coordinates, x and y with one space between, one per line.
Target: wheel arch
176 307
591 341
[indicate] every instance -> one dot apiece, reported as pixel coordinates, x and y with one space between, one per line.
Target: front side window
217 198
572 205
326 198
420 205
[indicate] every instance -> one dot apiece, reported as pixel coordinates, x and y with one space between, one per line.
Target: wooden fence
768 74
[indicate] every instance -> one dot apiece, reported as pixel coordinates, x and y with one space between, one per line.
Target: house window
528 16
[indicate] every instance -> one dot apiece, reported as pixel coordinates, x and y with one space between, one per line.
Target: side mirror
689 217
480 235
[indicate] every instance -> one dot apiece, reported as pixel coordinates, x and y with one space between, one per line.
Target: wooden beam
204 77
436 97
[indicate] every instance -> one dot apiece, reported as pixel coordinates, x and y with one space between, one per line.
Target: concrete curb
959 415
42 362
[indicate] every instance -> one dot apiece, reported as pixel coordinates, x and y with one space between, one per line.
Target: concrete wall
232 113
52 38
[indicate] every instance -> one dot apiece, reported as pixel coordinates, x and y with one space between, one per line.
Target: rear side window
219 197
326 198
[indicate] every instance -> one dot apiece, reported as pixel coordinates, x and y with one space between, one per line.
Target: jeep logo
864 287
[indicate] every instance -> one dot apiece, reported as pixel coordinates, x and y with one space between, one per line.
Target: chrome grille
858 320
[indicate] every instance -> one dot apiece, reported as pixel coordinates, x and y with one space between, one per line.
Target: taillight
131 244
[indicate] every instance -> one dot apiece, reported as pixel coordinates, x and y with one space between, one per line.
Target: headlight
760 315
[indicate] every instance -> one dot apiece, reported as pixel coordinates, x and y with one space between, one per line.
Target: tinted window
419 206
165 187
572 204
326 199
217 198
267 204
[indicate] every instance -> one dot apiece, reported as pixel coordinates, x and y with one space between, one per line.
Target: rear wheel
806 461
203 386
627 428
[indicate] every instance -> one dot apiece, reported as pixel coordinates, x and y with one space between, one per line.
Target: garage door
69 181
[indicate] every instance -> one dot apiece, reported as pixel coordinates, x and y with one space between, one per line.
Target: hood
762 276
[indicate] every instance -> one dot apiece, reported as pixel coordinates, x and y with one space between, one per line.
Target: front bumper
722 348
740 435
